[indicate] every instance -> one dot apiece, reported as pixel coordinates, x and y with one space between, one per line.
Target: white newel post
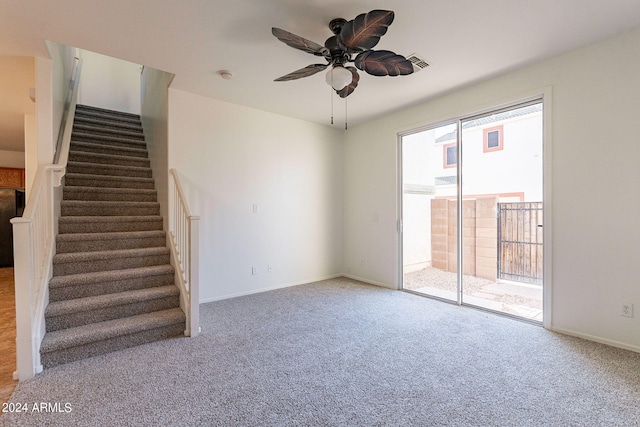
23 276
194 275
184 231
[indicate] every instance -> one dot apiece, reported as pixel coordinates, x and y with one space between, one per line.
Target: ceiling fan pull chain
331 93
345 114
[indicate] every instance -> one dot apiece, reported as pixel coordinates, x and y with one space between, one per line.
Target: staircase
112 286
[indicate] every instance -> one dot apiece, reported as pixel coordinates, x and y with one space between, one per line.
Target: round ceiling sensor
225 74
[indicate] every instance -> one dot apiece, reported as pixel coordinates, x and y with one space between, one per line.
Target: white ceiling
464 41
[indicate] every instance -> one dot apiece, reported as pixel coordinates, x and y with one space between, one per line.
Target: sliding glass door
429 206
472 211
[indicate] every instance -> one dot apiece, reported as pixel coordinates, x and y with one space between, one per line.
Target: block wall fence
480 236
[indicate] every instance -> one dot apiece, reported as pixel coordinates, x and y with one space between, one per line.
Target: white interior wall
109 83
593 177
231 158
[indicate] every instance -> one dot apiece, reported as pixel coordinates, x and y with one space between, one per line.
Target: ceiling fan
355 37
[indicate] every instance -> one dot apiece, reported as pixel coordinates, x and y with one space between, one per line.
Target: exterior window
450 155
492 139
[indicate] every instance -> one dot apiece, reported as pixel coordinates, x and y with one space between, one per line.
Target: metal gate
520 242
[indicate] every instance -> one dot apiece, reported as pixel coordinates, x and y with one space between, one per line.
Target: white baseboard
271 288
596 338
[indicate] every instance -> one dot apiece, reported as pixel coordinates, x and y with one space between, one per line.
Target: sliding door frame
543 96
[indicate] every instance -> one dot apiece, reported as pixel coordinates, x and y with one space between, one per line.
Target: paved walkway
508 297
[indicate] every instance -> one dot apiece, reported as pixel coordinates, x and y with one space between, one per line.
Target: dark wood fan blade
383 63
307 71
298 42
348 90
365 30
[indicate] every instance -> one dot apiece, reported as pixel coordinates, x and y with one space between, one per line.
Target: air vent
419 63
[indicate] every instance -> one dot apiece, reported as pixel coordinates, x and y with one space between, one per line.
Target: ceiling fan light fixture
339 77
356 37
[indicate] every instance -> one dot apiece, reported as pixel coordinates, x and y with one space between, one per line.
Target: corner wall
268 189
154 117
593 162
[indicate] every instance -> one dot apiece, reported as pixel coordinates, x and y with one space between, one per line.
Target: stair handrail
184 231
34 244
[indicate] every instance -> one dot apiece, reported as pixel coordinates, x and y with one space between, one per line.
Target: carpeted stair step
86 110
110 170
106 224
99 338
87 262
107 123
116 141
109 194
109 282
91 242
110 131
91 180
108 149
108 159
107 116
118 208
83 311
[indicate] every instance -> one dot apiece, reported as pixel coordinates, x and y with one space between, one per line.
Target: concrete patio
514 298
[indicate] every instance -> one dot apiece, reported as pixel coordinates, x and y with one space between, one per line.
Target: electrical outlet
254 270
362 262
626 310
269 268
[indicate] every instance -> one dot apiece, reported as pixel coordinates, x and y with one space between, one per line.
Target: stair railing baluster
184 229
